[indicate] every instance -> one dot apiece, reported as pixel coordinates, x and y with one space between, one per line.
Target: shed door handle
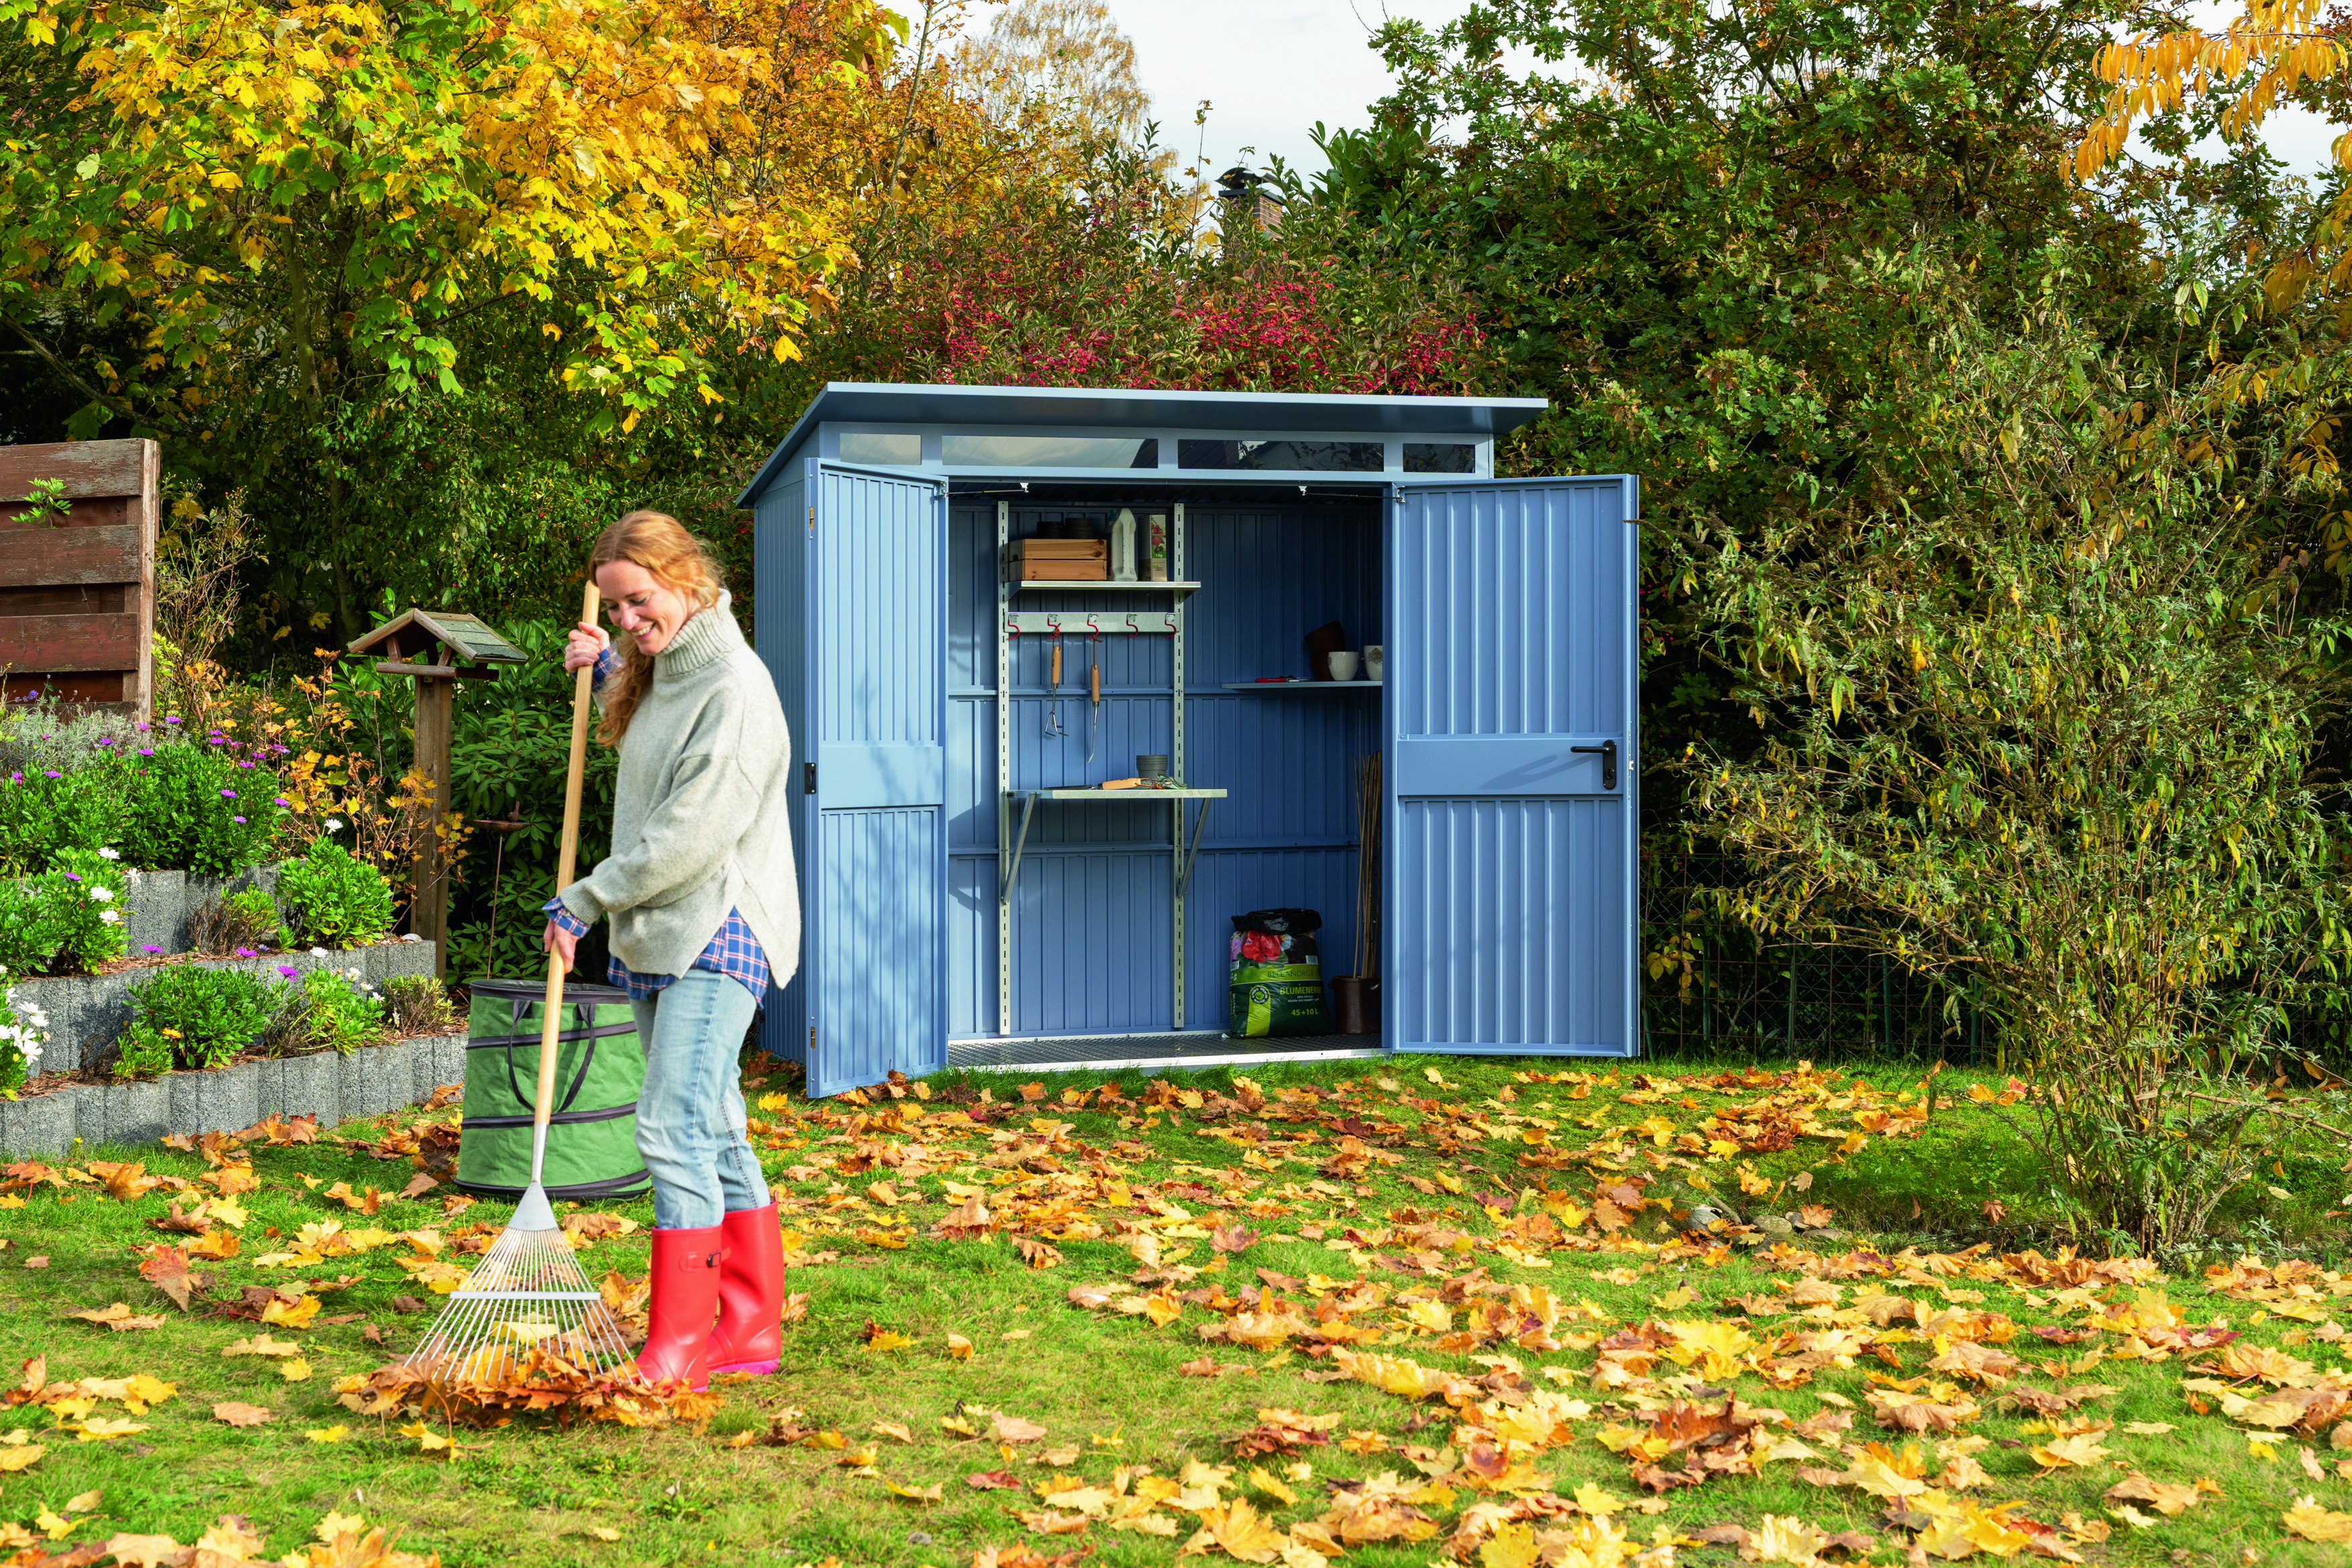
1608 750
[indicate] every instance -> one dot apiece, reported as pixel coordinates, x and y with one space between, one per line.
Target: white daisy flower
334 824
110 917
101 895
111 855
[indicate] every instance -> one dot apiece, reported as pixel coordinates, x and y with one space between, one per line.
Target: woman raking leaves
704 915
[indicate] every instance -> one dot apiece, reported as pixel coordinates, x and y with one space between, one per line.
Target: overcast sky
1271 68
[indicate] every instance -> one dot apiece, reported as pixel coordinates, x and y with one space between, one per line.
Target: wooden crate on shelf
1075 560
77 589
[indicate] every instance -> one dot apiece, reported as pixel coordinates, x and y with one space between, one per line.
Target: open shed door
875 782
1513 835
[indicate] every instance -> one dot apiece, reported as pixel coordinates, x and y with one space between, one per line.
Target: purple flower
247 952
284 801
146 751
50 772
236 819
73 876
149 948
172 718
228 794
140 727
289 970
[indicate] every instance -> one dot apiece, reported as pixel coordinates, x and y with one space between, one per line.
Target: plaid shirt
734 952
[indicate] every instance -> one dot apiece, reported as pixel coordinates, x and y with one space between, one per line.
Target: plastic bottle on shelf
1122 547
1157 558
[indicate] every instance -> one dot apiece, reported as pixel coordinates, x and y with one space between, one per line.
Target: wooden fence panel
78 592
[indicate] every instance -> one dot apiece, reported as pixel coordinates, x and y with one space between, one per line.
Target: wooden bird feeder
438 648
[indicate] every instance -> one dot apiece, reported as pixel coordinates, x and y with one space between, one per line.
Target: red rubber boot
750 1336
684 1300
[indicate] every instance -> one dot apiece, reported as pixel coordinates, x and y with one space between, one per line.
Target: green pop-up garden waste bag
592 1135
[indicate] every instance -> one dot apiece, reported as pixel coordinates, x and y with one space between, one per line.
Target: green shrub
32 931
325 1009
417 1004
45 812
24 1030
88 887
332 900
67 920
240 920
192 1016
196 805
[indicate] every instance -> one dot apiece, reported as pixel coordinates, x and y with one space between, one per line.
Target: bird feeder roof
462 638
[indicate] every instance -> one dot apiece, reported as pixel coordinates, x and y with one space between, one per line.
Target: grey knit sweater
699 823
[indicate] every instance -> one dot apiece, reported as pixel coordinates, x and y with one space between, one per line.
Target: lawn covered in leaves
1412 1312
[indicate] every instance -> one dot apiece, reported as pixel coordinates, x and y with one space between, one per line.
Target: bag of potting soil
1275 984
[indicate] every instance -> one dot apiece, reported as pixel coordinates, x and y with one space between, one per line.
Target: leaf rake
528 1307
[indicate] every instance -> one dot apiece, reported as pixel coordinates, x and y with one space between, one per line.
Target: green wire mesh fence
1713 990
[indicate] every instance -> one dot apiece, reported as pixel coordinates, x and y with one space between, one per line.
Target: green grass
532 1493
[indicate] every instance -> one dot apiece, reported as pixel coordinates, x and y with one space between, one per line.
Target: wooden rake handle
551 1023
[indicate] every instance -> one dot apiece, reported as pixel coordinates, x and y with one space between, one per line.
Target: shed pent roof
1143 410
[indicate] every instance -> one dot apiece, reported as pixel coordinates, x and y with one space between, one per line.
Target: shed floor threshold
1105 1052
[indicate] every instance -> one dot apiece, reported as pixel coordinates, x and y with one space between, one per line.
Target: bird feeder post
435 648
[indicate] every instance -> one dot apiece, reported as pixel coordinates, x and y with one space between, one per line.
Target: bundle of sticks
1368 865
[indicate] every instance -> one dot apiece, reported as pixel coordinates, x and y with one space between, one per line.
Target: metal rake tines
524 1260
526 1307
493 1338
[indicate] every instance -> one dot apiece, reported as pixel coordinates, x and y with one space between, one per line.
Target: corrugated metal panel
1091 944
780 578
881 647
1276 574
876 956
876 620
1511 923
971 945
972 596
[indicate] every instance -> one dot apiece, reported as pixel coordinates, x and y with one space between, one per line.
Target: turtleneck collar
708 634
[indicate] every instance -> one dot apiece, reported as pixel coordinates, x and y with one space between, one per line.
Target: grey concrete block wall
220 1100
155 911
101 1012
440 1059
133 1112
43 1126
386 1078
56 1000
307 1086
377 1079
87 1013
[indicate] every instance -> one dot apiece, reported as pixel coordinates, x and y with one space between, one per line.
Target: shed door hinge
811 516
812 1039
808 777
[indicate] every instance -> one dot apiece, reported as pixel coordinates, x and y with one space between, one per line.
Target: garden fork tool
1093 689
1054 730
528 1304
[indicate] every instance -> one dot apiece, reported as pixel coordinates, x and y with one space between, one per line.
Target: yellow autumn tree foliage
2261 60
284 197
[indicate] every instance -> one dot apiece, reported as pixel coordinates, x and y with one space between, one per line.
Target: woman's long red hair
679 562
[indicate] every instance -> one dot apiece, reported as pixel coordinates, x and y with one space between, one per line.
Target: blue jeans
690 1113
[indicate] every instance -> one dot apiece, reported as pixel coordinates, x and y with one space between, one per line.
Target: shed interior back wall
1092 944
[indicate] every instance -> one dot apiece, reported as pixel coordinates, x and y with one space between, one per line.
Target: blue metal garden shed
969 900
